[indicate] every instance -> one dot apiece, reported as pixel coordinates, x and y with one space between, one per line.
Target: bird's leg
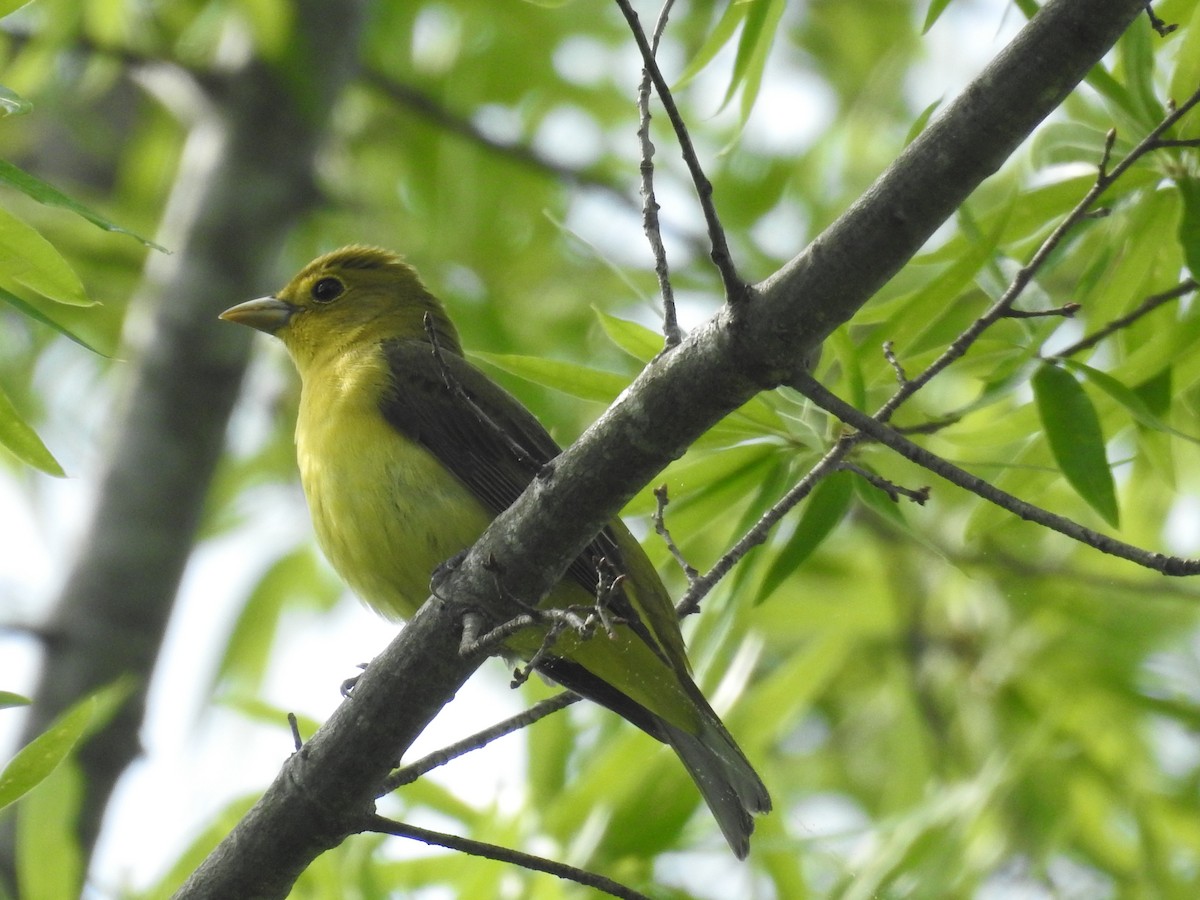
521 673
608 585
491 642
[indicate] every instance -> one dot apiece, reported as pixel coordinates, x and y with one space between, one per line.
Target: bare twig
294 724
920 496
700 587
1148 305
1165 143
384 825
1110 141
736 289
671 331
480 739
1158 24
1066 311
429 108
660 526
877 430
933 426
889 353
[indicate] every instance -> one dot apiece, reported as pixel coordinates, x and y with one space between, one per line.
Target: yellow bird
402 472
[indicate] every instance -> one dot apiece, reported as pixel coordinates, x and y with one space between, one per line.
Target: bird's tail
727 781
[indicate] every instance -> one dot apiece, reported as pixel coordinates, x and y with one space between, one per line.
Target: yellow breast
386 512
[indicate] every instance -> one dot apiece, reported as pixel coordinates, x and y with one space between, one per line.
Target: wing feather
494 446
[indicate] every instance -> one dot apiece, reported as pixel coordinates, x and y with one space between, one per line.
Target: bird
407 451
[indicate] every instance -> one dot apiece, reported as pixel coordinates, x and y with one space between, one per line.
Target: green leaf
47 818
12 103
23 442
936 8
638 341
1076 441
1189 223
921 121
271 23
41 756
295 576
11 6
570 378
1155 391
762 24
39 313
1128 398
826 507
52 196
717 39
1136 52
28 259
1187 59
258 710
8 700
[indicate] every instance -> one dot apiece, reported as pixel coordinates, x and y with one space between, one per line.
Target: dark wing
480 432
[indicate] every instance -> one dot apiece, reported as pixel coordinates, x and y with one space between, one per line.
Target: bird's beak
267 314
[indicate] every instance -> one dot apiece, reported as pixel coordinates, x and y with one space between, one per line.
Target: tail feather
725 778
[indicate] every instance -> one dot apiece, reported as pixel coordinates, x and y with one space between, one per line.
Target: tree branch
735 287
879 431
504 854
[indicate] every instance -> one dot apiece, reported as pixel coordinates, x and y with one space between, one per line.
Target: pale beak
267 314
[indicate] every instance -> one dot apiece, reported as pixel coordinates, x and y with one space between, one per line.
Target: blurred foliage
944 698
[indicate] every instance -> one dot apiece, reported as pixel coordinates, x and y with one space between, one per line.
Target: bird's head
345 297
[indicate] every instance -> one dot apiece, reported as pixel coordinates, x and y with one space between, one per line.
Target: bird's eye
327 289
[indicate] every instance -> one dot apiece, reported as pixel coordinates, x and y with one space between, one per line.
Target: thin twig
736 290
878 431
919 496
671 331
428 107
294 724
1148 305
477 741
1166 143
933 426
660 526
889 354
1158 24
384 825
1066 311
689 603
